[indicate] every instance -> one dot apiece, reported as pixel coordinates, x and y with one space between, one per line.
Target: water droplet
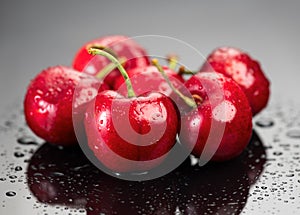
26 140
18 168
2 179
10 193
286 145
80 167
264 122
293 133
194 160
60 147
57 174
8 124
277 153
19 154
12 176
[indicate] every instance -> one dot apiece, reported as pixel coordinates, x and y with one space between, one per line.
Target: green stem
107 69
190 102
173 61
97 51
104 48
183 71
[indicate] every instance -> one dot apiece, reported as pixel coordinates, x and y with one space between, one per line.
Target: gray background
38 34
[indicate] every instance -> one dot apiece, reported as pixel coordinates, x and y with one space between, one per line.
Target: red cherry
244 70
148 79
223 115
121 130
48 103
122 46
130 134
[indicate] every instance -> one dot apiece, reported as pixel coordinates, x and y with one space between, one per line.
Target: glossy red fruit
48 103
224 115
121 130
122 46
148 78
246 71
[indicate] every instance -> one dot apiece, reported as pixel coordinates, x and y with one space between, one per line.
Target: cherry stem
183 71
173 61
190 102
107 69
197 97
104 48
97 51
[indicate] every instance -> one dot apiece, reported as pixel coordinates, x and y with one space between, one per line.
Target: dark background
38 34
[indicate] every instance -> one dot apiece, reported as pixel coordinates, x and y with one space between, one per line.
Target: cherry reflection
65 177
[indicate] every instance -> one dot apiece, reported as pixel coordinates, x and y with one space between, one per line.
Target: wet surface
38 178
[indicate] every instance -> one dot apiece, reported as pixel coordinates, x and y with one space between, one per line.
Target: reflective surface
38 178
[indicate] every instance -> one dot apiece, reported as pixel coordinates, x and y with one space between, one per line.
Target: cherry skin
148 79
223 105
121 130
48 103
122 46
246 71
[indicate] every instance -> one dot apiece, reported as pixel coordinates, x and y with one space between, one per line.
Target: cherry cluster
128 105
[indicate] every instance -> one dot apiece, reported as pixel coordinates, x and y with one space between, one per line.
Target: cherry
246 71
218 125
130 133
148 78
225 106
48 102
120 46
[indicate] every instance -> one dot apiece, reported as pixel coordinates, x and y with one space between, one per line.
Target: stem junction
190 102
